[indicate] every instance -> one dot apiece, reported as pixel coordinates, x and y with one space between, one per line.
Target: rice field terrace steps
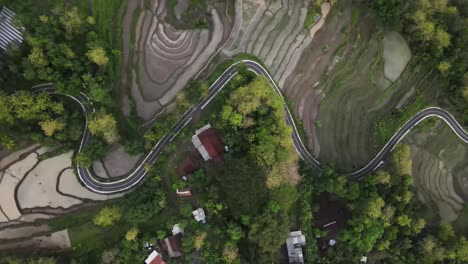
436 181
165 59
139 173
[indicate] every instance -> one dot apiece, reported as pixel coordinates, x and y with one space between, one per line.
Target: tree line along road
138 174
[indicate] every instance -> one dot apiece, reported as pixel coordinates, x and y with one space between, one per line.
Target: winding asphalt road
139 173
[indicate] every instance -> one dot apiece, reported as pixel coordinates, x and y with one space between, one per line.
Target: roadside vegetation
249 227
195 16
77 49
437 31
387 221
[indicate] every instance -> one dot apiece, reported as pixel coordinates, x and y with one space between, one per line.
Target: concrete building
294 244
199 215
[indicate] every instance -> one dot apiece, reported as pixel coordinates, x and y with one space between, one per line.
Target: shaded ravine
139 173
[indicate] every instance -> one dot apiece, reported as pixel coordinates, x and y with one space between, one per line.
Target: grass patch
108 15
385 127
354 16
310 18
196 15
298 122
461 224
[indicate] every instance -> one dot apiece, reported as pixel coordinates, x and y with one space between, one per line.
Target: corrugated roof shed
9 34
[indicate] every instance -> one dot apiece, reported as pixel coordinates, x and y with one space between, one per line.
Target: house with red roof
154 258
208 143
172 245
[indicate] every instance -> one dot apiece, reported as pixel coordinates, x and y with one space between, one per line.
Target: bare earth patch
118 162
12 176
396 54
15 155
56 241
38 189
22 232
99 169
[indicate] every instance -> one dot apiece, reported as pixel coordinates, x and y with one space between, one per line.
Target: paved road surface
139 173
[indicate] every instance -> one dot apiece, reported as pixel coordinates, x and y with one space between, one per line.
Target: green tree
381 177
269 232
234 232
403 220
51 126
374 207
104 125
401 160
241 174
444 67
108 216
230 253
446 232
132 234
98 56
71 21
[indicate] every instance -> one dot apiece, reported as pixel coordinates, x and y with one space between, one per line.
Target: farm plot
32 189
273 31
164 59
342 77
439 169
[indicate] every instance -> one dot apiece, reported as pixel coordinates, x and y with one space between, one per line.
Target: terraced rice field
273 31
164 59
339 89
33 189
440 170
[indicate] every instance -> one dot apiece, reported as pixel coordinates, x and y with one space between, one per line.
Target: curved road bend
139 173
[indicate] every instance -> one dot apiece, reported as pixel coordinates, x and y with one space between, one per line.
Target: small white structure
176 229
294 244
364 259
184 192
332 242
199 215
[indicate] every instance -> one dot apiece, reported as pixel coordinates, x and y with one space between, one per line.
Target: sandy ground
39 188
118 162
10 179
22 232
396 55
56 241
29 218
15 155
68 184
99 170
325 9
